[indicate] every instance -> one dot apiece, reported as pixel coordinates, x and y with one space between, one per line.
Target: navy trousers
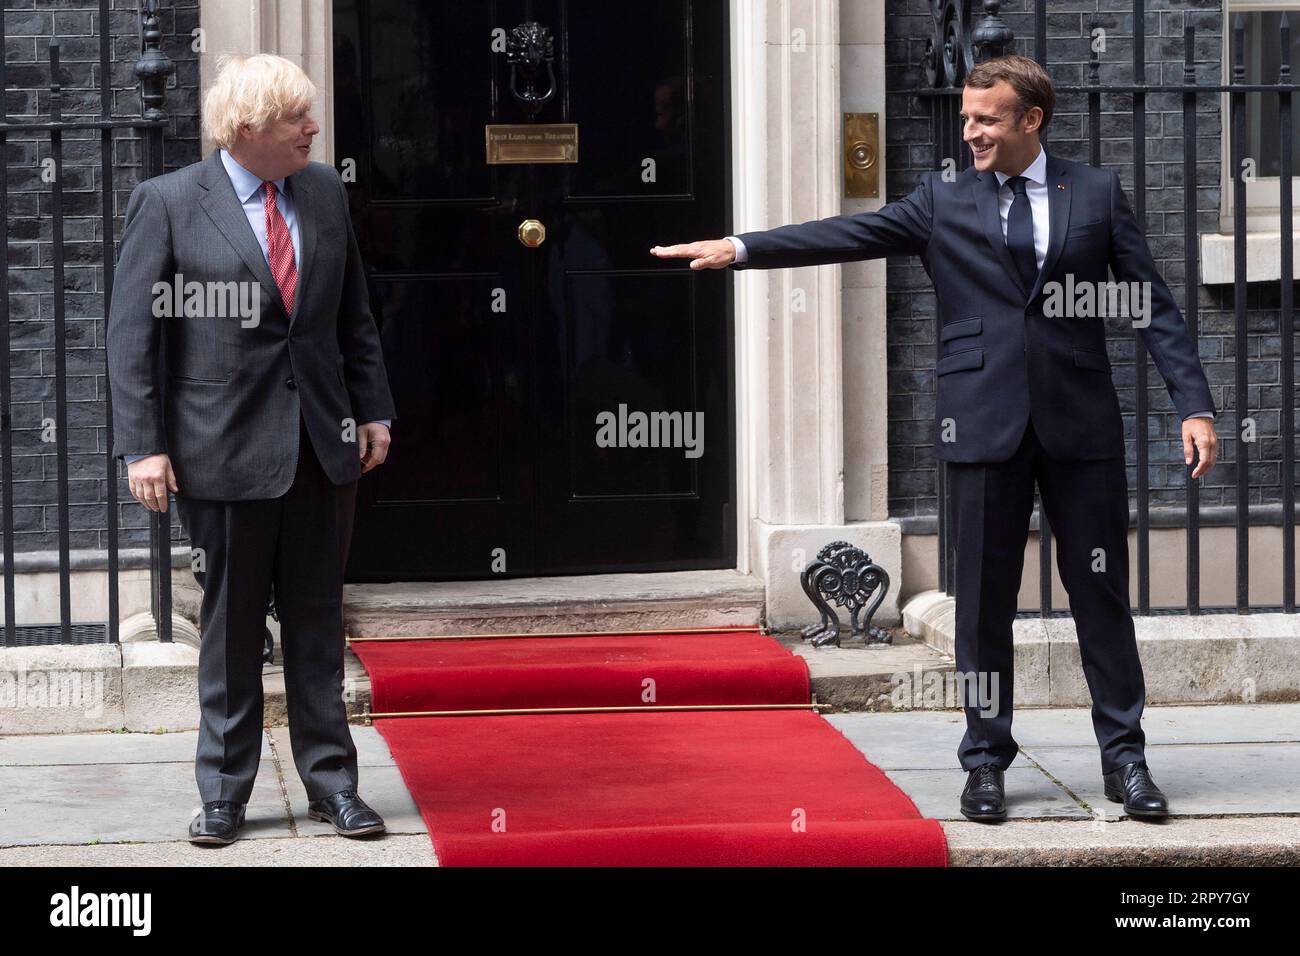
1087 509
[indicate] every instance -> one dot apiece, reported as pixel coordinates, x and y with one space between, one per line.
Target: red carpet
711 787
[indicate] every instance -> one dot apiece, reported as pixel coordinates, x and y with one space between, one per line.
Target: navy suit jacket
1002 361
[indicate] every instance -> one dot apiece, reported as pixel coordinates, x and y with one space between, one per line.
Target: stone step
142 685
146 686
586 602
1186 659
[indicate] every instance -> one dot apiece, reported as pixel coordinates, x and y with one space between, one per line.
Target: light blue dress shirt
1035 191
248 189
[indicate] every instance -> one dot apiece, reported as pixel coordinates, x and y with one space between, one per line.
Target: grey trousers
298 542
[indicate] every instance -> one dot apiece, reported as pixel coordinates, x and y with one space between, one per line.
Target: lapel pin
1060 185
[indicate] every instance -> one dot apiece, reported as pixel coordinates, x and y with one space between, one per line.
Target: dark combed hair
1030 81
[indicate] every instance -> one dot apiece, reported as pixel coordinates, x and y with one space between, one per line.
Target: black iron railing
959 41
152 69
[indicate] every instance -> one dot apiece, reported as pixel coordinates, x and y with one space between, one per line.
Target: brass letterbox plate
531 143
862 155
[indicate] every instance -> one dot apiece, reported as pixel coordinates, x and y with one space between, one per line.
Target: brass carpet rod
591 710
754 629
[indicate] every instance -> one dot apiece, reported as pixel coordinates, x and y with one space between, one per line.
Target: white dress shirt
1036 191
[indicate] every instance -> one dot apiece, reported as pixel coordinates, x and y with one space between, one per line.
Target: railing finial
153 67
992 37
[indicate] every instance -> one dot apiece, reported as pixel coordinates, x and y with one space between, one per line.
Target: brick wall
28 28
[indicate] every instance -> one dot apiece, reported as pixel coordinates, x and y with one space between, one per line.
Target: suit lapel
1058 204
302 208
227 214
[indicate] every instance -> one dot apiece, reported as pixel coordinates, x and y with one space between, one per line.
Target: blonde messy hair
256 89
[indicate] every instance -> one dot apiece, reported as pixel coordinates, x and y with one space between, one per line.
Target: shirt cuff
386 422
128 459
1209 415
741 254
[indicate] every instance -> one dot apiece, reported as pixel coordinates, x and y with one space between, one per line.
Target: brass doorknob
532 233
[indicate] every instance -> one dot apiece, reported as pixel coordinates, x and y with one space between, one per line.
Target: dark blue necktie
1020 232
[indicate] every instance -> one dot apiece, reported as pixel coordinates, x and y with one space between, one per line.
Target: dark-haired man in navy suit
1022 240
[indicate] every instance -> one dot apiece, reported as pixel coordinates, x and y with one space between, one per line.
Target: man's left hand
1198 435
374 441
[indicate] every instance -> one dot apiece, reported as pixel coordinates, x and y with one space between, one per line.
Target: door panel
504 360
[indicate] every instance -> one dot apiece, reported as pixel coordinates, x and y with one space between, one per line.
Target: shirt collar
1035 172
245 183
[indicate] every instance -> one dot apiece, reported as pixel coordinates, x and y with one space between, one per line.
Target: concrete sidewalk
1231 772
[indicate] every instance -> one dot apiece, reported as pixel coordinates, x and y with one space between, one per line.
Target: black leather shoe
984 798
1132 785
347 813
218 822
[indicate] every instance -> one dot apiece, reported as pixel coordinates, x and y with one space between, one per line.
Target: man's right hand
149 478
706 254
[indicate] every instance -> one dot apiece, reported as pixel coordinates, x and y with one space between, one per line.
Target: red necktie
279 247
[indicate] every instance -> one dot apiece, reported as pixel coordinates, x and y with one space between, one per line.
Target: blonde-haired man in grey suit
248 378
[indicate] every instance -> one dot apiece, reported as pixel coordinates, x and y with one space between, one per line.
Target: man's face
284 147
999 141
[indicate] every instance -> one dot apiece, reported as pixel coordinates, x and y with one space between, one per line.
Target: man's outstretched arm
901 227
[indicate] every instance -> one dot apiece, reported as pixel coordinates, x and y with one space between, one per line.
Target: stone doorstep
145 686
1209 658
673 599
855 677
142 685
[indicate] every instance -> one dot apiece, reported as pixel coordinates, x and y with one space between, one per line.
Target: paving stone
1233 770
1174 724
916 740
382 789
372 749
46 749
110 802
380 784
1030 794
1198 779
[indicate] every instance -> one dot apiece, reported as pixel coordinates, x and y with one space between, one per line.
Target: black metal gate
151 69
962 38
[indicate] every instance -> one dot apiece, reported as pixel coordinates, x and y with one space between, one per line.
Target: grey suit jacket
227 404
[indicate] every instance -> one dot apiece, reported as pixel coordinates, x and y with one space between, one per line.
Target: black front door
564 408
